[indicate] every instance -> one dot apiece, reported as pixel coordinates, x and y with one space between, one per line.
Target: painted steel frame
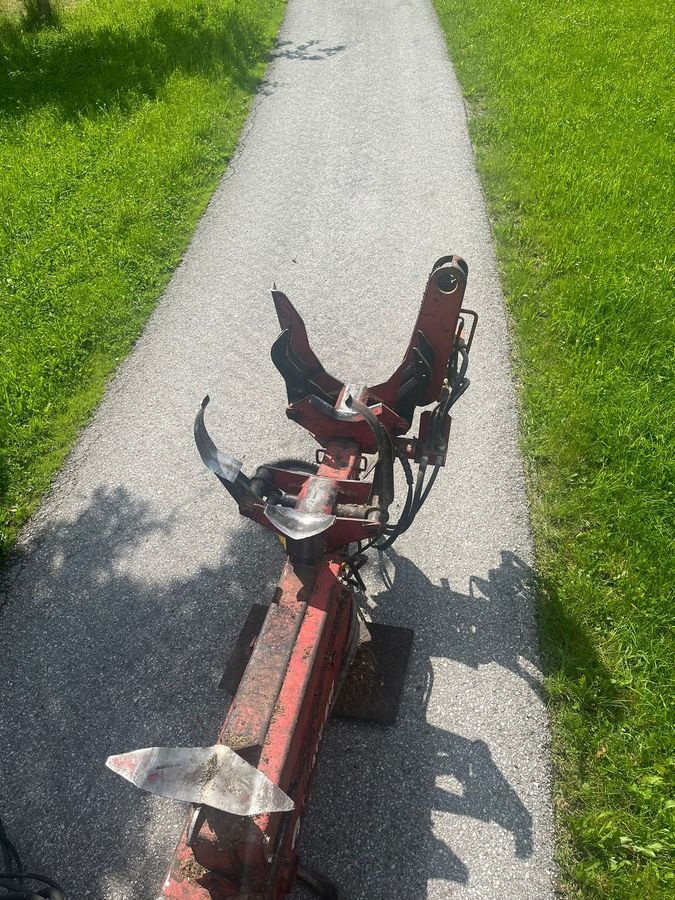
278 715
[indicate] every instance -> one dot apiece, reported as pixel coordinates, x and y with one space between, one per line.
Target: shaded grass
571 118
31 11
115 125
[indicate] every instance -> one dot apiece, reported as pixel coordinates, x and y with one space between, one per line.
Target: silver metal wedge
213 776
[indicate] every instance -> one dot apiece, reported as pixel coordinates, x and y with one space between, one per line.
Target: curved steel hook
221 464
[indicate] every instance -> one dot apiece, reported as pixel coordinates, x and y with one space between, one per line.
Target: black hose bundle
418 491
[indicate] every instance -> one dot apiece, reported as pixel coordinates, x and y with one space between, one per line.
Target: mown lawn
571 113
115 124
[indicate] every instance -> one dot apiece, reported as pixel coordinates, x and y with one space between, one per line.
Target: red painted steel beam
277 718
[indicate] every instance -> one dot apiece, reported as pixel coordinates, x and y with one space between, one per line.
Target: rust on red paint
314 421
277 717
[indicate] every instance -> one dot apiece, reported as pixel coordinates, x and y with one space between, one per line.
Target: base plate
374 684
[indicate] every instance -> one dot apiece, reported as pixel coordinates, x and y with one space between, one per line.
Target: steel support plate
374 684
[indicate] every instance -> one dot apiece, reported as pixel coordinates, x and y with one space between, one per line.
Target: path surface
355 173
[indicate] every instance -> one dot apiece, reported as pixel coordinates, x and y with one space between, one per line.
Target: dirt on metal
210 770
191 870
362 678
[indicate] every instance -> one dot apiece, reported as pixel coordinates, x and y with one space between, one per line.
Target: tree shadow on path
387 789
101 656
309 51
85 72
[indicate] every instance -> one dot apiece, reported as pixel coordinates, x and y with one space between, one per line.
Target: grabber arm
274 497
224 466
257 498
419 379
296 361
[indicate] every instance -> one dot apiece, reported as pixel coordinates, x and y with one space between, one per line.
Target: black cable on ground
12 881
10 855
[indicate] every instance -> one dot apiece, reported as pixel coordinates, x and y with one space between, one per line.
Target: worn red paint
437 319
277 718
276 721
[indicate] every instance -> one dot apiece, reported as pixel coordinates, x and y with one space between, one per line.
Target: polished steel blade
296 524
214 776
222 464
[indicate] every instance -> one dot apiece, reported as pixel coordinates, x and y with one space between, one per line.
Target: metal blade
297 524
222 464
214 776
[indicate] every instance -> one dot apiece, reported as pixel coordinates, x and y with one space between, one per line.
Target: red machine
249 791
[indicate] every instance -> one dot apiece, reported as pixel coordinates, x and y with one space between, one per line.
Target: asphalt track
353 175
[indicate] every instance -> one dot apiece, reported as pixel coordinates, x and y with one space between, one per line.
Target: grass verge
115 124
570 111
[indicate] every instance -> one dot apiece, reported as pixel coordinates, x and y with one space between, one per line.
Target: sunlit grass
114 127
571 117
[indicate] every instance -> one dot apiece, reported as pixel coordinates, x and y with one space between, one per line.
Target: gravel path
354 174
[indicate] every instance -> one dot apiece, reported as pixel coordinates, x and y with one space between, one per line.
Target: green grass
570 110
115 124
